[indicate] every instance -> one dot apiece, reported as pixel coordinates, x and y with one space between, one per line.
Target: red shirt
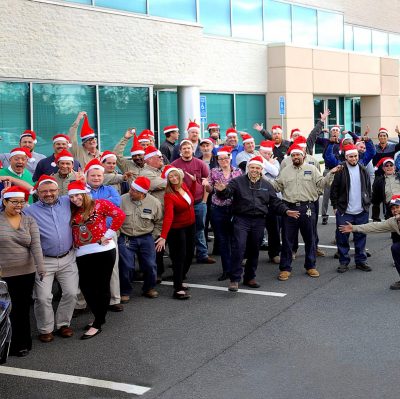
177 212
91 230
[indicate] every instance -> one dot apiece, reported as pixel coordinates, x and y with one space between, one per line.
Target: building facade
146 63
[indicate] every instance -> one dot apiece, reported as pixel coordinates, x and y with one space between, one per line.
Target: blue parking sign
282 105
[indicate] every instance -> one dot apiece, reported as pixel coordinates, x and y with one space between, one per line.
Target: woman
95 249
221 213
178 226
20 250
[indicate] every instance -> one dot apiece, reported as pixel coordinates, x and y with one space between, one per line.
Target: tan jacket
142 217
301 184
157 184
113 179
63 182
308 159
78 152
124 164
390 225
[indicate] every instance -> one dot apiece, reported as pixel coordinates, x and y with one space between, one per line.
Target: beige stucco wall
302 73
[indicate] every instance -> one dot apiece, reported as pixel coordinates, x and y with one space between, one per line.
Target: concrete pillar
188 107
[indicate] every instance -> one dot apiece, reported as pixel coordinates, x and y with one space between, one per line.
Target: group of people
90 220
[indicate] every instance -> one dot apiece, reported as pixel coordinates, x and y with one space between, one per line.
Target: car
5 324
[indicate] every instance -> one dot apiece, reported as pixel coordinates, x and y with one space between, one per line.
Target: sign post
282 108
203 112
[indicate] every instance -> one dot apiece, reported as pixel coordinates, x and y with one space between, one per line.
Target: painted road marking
242 291
72 379
325 246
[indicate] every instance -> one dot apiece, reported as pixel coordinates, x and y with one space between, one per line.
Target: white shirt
354 206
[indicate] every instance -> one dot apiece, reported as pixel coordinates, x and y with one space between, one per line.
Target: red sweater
177 212
91 230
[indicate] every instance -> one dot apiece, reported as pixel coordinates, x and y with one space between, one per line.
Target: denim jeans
221 219
360 239
395 248
142 246
200 211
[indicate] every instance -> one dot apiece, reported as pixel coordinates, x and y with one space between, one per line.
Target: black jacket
379 197
340 189
252 200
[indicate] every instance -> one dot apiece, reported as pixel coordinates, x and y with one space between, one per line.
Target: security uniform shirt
125 165
142 217
157 184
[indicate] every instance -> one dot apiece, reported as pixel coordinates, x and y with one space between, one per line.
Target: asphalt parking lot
331 337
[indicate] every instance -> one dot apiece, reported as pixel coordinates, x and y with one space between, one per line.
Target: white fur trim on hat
296 151
138 188
248 140
94 167
349 152
269 149
185 141
14 194
152 154
255 163
104 157
78 191
219 153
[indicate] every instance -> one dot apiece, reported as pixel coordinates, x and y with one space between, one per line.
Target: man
253 198
195 167
214 130
19 157
351 199
26 140
281 145
384 148
362 151
65 174
45 166
136 163
390 225
88 150
248 153
94 173
232 141
299 184
146 138
193 131
171 137
140 229
53 215
111 176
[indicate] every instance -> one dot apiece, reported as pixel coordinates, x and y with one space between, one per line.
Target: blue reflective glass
122 107
304 26
55 107
380 43
125 5
330 29
174 9
362 39
394 45
277 22
215 16
348 38
14 113
247 19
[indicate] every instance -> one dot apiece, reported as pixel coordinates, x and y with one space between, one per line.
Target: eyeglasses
17 203
224 159
48 191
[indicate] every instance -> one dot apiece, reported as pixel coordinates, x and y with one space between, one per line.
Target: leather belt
59 256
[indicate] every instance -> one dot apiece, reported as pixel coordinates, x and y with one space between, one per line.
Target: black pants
181 250
20 289
94 280
274 237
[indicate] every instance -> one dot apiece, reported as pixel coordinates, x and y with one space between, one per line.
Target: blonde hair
86 209
169 188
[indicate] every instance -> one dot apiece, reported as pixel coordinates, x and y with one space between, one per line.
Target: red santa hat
29 133
171 128
192 125
213 126
93 164
144 136
64 155
151 151
62 137
136 147
207 140
267 145
77 187
350 149
258 160
22 151
231 132
295 149
16 192
335 127
170 168
296 130
276 129
43 179
107 154
383 161
383 130
301 141
247 138
395 200
141 184
224 151
86 131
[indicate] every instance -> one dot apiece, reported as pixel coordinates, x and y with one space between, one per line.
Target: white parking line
242 291
325 246
72 379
